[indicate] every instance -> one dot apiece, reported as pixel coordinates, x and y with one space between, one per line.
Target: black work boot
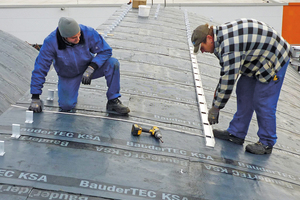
225 135
116 105
259 148
73 110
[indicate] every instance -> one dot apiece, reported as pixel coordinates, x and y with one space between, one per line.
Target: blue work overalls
68 87
71 61
252 95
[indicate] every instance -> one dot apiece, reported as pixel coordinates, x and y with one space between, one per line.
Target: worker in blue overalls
79 54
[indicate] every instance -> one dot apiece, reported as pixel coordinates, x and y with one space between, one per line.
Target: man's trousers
262 98
68 87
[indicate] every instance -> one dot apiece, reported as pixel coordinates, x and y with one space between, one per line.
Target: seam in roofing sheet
157 11
111 118
203 111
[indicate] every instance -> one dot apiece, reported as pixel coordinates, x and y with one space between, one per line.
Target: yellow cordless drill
154 131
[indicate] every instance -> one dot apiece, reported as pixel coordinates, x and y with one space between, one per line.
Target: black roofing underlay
92 155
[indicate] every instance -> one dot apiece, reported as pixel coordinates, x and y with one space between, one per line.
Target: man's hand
36 105
87 76
213 115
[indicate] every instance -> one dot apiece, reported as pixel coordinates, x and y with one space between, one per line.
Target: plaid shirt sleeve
250 48
231 63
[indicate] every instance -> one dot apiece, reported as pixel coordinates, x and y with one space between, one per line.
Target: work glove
213 115
36 105
87 76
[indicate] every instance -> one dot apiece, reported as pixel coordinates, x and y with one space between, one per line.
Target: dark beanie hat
68 27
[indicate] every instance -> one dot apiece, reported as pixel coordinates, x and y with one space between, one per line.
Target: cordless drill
154 131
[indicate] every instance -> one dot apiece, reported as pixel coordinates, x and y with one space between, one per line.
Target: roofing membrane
91 154
119 2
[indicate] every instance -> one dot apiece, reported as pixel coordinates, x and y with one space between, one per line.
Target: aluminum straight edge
202 105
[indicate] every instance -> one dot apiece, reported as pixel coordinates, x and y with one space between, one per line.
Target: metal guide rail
203 111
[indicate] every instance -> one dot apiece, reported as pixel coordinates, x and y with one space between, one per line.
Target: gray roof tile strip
92 155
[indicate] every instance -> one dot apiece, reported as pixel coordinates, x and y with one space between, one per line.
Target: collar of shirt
68 43
216 42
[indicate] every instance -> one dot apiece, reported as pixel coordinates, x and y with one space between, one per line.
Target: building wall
270 14
290 23
34 23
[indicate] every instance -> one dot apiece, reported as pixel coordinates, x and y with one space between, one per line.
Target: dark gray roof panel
16 63
92 155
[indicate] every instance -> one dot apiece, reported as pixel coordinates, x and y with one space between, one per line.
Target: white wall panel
34 24
271 15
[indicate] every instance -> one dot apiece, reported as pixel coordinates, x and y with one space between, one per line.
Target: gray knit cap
68 27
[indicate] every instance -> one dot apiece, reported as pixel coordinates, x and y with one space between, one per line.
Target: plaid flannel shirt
248 47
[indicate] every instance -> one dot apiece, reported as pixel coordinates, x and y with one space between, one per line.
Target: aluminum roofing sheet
92 155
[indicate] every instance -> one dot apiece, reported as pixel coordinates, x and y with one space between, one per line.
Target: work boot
259 148
73 110
116 105
225 135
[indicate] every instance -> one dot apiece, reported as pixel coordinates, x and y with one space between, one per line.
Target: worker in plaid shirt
259 56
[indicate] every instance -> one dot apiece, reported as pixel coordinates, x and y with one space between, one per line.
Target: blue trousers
68 87
262 98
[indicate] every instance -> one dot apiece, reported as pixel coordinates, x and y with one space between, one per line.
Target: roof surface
119 2
92 155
